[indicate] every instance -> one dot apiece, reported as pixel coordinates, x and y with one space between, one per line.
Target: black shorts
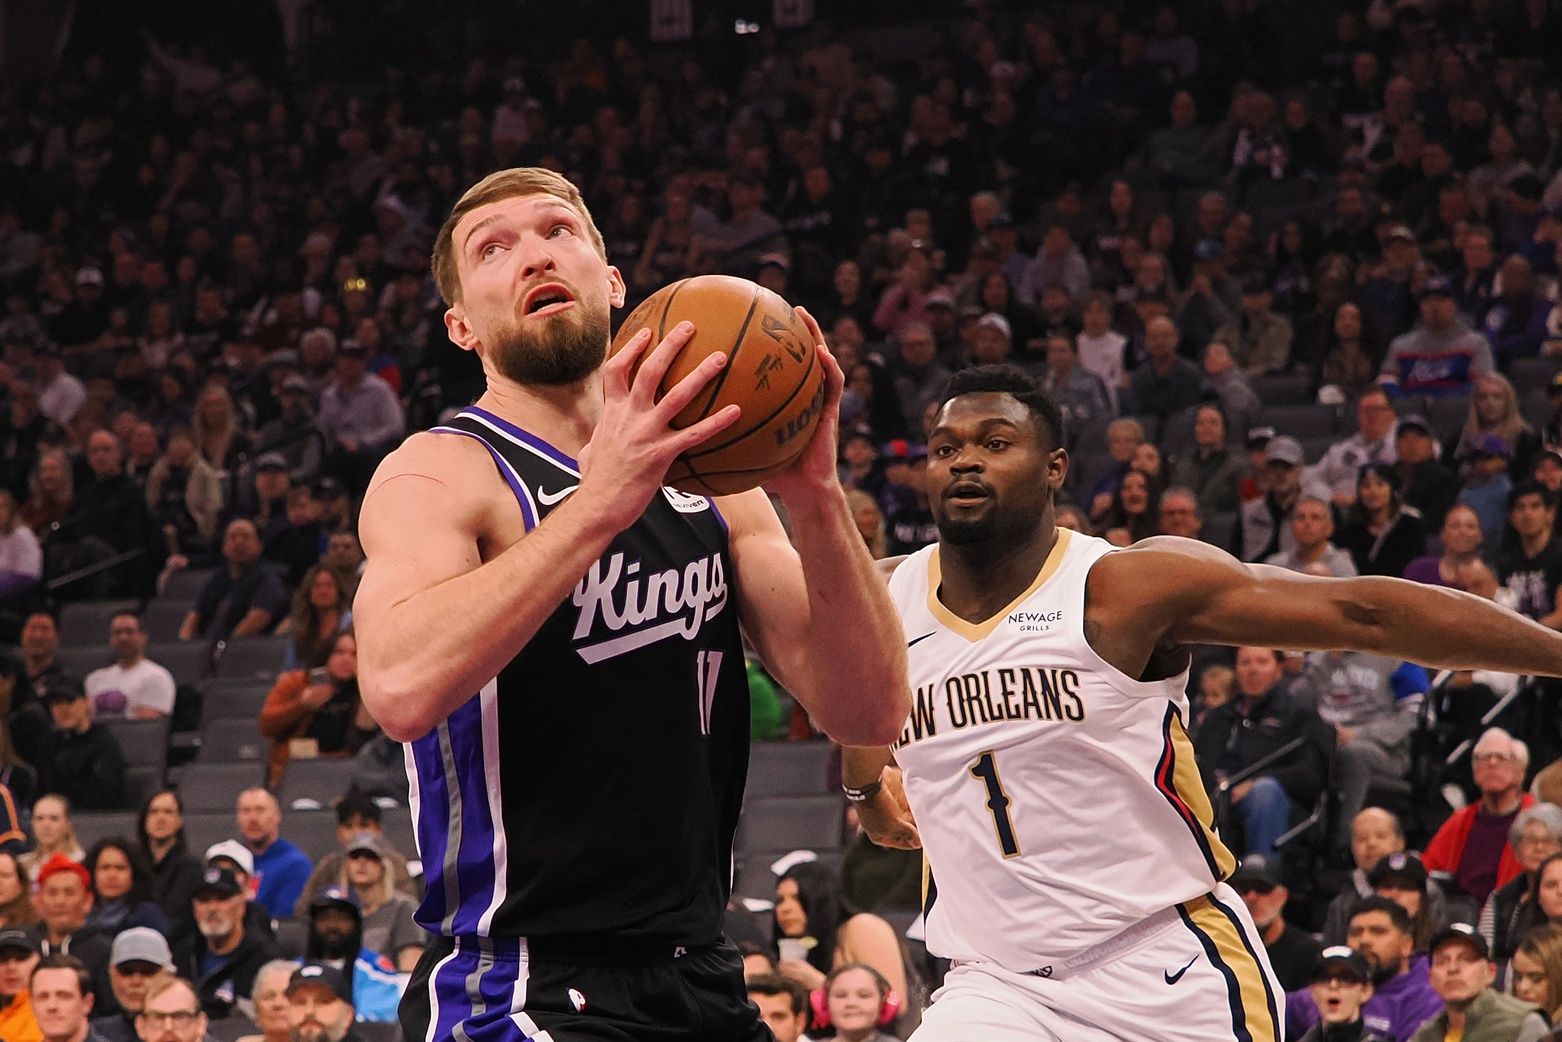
501 990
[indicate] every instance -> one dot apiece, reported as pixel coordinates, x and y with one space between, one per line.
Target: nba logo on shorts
577 1000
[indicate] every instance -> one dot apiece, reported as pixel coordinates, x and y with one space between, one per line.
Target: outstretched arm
1201 595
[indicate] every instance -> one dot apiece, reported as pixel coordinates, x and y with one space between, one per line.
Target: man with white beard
223 957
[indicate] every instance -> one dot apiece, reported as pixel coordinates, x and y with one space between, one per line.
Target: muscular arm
820 616
1200 595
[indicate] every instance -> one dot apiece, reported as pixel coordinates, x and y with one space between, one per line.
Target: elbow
402 716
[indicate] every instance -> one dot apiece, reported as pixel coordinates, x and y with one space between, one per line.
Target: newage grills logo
1034 621
653 607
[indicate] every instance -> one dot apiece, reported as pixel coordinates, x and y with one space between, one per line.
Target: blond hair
503 184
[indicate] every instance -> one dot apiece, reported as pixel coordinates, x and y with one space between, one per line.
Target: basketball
772 373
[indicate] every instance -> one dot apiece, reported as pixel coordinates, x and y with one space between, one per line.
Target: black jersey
593 787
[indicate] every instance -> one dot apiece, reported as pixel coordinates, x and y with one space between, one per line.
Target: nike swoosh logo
547 499
1173 978
917 640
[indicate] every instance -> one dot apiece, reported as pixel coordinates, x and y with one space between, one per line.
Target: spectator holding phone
319 706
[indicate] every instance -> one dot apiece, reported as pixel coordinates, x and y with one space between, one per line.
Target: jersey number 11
985 769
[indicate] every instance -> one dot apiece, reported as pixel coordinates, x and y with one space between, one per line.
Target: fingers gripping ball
773 374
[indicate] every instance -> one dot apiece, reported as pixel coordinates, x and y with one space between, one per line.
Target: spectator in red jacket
1473 844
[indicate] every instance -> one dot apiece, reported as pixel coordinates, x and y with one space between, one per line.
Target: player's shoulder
451 474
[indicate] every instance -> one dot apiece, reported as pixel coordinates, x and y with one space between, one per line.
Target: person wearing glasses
172 1012
1473 844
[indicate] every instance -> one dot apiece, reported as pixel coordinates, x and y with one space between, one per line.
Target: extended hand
887 818
626 460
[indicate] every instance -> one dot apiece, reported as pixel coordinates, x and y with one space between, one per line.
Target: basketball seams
735 437
714 391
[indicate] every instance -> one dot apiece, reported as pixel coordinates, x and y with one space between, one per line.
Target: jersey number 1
707 670
985 769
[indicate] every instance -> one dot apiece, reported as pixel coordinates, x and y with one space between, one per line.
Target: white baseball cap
235 852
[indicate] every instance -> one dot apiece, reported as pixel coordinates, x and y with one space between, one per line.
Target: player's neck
564 416
980 579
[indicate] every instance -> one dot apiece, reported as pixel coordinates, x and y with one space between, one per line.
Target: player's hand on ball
814 470
626 460
887 817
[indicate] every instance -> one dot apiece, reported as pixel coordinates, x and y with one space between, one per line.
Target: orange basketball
772 373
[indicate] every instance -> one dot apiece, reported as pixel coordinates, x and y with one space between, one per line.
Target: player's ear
461 332
1057 468
616 291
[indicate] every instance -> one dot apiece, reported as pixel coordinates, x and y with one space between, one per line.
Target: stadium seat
1448 415
188 660
78 662
162 618
1535 405
233 699
202 828
1529 373
93 825
232 740
185 584
253 657
791 823
84 624
317 783
314 831
1303 421
145 745
212 786
1284 389
787 768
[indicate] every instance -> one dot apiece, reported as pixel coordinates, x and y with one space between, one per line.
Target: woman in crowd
1136 512
184 494
21 558
122 889
53 833
322 608
854 998
387 913
1383 535
1537 974
1460 560
52 493
269 998
1536 835
810 908
1494 409
16 896
1542 901
870 522
219 434
320 704
1352 352
175 873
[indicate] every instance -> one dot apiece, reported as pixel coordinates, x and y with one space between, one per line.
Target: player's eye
997 444
489 250
553 232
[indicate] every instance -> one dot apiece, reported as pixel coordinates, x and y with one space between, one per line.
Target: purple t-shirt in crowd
1425 570
1477 871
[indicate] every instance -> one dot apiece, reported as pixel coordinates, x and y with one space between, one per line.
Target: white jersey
1057 798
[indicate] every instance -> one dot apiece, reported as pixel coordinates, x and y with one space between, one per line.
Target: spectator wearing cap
321 705
1462 974
292 433
134 687
944 321
138 955
1312 552
360 417
1487 487
1473 843
18 955
1530 567
1375 833
1442 355
1257 723
244 597
1081 394
1166 383
64 902
388 926
171 1012
236 857
1209 467
1402 877
1264 524
281 869
184 494
1340 985
992 340
1511 911
1292 952
1373 703
264 499
336 940
357 814
918 375
224 955
79 758
1515 324
320 1005
1373 442
1428 485
1259 339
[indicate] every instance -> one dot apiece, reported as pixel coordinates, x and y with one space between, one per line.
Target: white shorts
1194 973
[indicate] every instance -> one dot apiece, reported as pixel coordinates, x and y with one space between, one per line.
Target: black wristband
864 794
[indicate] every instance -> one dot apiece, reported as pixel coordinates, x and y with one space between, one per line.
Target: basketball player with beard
557 637
1075 876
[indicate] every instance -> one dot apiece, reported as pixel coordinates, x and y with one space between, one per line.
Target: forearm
856 648
255 621
861 765
1448 629
424 656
